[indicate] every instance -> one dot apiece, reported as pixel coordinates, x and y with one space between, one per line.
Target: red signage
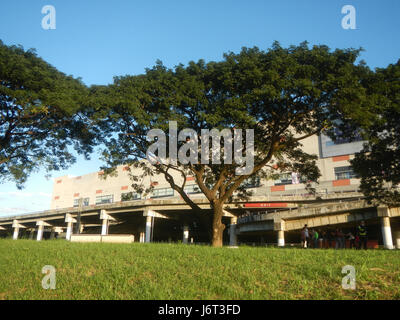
266 205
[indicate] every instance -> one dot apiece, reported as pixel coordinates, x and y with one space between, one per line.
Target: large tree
285 94
40 116
378 165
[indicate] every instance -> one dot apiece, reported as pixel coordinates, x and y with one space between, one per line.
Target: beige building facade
93 189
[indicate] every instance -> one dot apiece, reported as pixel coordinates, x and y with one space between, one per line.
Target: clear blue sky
96 40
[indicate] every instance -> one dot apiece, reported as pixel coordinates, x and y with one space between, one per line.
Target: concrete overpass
319 215
158 220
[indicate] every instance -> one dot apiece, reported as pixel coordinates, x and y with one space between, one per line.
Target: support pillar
31 234
397 239
16 225
281 238
386 233
141 237
232 232
185 239
279 226
52 234
70 221
106 218
40 232
149 222
104 227
69 231
16 232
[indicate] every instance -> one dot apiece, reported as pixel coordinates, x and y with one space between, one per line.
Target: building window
289 178
340 139
85 202
162 192
192 189
129 196
253 182
342 173
105 199
283 179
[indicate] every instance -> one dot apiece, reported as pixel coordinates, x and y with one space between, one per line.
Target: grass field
173 271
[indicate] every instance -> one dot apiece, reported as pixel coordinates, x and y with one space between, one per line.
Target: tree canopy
378 165
284 94
41 116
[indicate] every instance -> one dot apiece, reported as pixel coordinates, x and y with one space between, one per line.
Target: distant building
93 189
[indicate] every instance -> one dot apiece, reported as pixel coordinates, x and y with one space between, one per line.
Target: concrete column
16 225
232 232
16 232
40 232
104 227
386 233
281 238
397 239
70 221
185 239
106 222
31 234
141 237
52 234
69 231
149 221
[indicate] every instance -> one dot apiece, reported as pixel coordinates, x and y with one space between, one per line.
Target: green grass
173 271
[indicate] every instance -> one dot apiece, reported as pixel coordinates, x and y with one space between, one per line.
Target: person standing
304 236
352 240
315 238
363 235
321 238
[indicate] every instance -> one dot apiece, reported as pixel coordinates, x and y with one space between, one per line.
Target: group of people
334 238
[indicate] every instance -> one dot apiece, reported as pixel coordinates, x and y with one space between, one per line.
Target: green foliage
379 163
284 94
40 116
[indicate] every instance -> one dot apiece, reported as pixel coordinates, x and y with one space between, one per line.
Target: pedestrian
315 237
339 239
304 236
352 239
363 235
332 238
321 238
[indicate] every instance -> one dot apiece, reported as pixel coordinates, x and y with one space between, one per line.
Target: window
105 199
85 202
340 139
162 192
284 178
192 189
344 173
253 182
128 196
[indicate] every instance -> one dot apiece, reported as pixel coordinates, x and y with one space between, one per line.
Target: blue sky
97 40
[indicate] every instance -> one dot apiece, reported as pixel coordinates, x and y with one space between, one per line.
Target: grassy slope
169 271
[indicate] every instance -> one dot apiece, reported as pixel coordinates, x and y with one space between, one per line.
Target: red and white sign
266 205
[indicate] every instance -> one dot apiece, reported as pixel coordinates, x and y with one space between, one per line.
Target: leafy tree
40 115
284 94
378 164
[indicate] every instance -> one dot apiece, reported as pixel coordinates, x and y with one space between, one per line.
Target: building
275 213
93 189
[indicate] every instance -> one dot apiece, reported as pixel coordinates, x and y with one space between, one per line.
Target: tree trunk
217 226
